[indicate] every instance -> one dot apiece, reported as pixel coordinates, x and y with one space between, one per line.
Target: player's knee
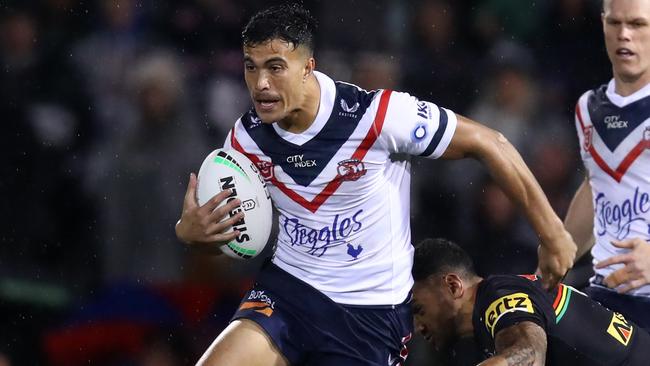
243 342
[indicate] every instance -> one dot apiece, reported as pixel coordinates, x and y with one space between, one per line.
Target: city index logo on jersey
259 302
615 122
620 329
506 304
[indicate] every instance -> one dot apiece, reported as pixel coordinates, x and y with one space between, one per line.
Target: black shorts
310 329
634 308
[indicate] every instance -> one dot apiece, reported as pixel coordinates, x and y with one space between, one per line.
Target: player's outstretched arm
517 345
201 226
557 250
579 220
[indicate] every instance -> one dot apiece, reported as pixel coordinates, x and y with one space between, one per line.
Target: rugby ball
229 169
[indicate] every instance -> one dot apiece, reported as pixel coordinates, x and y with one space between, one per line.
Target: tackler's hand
636 270
555 259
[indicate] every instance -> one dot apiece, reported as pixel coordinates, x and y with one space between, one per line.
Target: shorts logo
588 133
350 170
620 329
506 304
259 302
403 353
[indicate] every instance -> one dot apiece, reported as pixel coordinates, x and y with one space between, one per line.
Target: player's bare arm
201 226
579 220
518 345
557 250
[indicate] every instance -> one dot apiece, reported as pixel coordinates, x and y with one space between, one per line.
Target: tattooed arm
519 345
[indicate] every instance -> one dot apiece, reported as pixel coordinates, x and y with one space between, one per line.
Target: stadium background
106 106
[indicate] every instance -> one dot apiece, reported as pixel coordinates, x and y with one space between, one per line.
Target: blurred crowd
106 106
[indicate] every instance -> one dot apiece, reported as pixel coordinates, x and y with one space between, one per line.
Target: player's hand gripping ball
230 169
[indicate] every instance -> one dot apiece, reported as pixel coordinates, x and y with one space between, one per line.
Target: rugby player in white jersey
336 291
610 212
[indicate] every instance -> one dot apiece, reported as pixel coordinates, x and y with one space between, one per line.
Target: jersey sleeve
227 144
239 125
417 127
505 301
583 128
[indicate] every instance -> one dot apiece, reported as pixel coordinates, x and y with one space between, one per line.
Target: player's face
433 312
626 24
275 74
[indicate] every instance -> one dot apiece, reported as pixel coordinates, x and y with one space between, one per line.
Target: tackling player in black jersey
513 320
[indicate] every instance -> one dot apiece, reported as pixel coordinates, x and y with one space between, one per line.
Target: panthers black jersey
579 330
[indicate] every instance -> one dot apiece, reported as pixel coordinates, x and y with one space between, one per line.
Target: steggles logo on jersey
318 241
347 110
588 133
617 218
615 122
646 135
299 161
350 170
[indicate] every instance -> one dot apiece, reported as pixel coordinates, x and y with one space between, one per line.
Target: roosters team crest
350 170
266 169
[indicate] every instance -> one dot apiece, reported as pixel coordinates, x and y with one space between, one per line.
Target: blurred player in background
336 291
513 319
611 210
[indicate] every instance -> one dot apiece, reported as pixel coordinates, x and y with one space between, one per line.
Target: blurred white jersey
614 133
342 196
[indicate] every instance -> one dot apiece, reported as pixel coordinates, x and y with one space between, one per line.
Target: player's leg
634 308
242 343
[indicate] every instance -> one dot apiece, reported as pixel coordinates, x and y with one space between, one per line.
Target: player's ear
454 285
310 66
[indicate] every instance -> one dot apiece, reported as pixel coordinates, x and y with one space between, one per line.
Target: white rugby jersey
614 133
343 200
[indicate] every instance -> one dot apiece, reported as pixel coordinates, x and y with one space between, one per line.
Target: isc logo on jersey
506 304
620 329
229 169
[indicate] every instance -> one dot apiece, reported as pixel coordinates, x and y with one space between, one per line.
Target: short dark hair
435 256
289 22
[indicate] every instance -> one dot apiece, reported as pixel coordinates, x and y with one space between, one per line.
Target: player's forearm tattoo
520 355
522 344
